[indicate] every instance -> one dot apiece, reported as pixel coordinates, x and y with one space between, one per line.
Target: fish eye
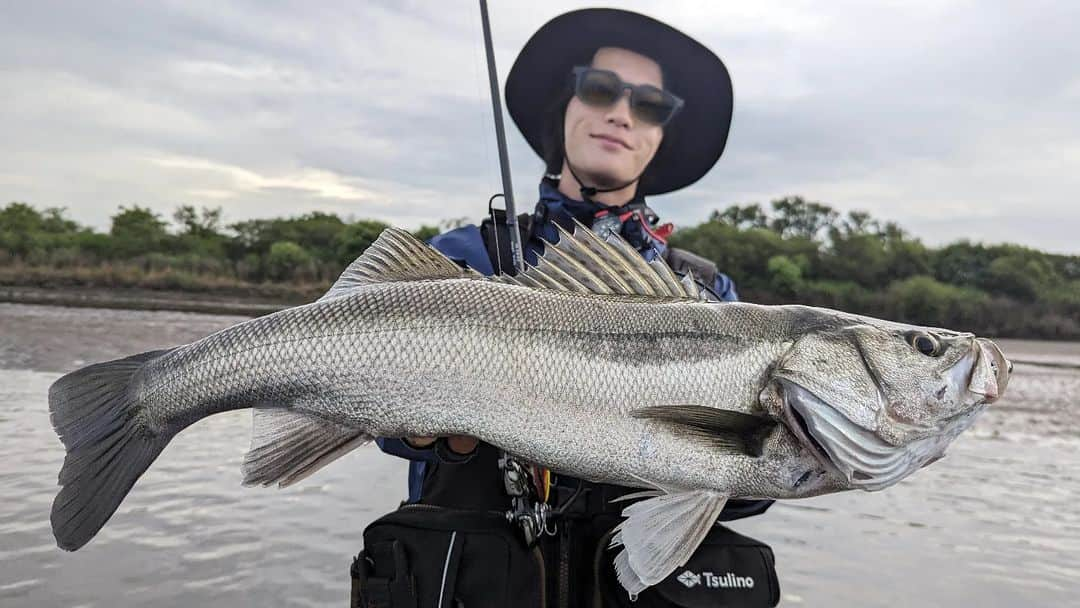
924 343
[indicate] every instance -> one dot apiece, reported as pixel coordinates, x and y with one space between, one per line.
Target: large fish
592 363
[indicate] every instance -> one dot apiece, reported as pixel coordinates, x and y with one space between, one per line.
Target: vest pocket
430 557
728 569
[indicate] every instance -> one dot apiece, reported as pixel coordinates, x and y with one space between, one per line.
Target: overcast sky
958 119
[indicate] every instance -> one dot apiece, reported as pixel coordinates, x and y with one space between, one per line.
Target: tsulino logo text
726 580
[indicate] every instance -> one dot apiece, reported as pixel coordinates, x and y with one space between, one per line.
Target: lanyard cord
587 192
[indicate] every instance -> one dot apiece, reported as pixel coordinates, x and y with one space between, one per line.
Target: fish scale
700 400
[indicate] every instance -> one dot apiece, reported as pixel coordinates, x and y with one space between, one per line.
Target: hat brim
697 135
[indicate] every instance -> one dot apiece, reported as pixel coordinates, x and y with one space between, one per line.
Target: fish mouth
859 455
990 371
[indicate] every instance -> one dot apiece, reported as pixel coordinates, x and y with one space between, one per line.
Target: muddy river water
996 523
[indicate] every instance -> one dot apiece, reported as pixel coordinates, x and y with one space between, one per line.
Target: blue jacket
465 245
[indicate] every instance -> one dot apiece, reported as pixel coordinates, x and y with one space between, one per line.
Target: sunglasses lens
653 105
604 88
598 88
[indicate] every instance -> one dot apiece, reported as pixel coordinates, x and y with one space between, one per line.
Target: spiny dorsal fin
619 266
568 260
580 262
396 256
583 262
565 280
689 283
577 244
667 275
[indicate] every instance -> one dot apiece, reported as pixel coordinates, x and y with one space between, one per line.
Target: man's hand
459 444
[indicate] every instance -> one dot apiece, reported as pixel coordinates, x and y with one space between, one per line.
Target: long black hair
554 139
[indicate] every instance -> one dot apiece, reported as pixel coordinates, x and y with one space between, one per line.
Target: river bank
146 299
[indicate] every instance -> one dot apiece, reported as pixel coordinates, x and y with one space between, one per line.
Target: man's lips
612 139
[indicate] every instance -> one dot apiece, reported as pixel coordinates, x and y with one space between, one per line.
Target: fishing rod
516 254
532 517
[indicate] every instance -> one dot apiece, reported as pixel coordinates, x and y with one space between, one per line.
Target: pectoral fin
727 430
660 534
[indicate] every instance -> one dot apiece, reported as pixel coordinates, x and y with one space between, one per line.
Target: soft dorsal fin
396 256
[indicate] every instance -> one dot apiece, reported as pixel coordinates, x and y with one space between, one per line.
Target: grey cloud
948 117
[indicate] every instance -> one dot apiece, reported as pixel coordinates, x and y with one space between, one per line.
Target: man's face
608 146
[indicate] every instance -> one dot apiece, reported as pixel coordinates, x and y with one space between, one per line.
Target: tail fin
108 445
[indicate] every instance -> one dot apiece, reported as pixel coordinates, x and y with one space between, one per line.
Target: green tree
857 223
741 216
137 230
201 224
287 260
793 216
855 256
961 263
923 300
20 217
355 238
53 221
426 232
200 235
785 275
743 254
1022 275
19 225
316 232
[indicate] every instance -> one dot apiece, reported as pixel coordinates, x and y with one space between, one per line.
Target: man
619 106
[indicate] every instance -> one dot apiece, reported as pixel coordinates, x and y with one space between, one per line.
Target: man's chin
604 178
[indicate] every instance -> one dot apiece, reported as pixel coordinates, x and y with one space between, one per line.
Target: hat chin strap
587 192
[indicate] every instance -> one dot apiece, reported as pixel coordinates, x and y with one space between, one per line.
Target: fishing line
570 501
484 126
1055 364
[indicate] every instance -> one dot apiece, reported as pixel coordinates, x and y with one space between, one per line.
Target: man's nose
619 113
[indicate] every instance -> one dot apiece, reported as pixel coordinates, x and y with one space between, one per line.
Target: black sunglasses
604 88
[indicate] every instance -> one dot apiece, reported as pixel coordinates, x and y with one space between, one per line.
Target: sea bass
593 363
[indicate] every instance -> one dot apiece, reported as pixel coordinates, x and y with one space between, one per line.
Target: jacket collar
554 206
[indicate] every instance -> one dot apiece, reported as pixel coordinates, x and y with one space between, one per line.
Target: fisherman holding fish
597 361
619 106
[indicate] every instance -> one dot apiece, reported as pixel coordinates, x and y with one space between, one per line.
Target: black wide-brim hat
694 139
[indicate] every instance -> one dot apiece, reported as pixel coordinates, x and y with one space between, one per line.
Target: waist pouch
728 569
422 556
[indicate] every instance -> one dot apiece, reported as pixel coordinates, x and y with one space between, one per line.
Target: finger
420 442
462 444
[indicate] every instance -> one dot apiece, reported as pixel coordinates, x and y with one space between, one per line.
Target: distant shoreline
142 299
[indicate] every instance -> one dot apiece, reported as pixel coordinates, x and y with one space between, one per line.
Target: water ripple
994 524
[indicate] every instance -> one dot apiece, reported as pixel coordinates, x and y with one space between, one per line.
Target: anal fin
661 533
288 445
